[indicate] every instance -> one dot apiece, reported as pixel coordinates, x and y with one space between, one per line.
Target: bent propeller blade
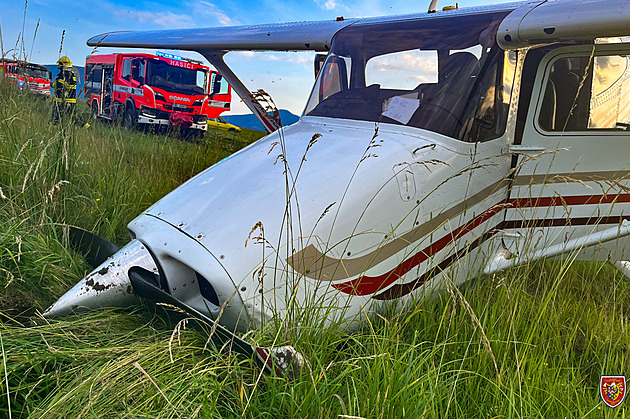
285 361
94 248
131 273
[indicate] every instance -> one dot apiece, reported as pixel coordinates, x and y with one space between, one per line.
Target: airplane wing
296 36
529 23
564 21
293 36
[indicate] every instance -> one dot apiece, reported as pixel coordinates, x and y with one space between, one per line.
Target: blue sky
286 76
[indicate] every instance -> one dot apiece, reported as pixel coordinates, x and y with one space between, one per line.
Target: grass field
529 343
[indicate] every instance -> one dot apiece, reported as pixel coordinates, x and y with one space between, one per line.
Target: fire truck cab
27 76
162 90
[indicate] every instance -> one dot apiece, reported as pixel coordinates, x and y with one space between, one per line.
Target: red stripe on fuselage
557 201
370 284
365 285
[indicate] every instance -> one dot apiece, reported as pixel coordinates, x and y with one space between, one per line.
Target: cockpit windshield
445 75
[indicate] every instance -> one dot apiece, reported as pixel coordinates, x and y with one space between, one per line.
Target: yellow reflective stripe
66 84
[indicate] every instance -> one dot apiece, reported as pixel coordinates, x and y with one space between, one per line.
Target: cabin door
572 166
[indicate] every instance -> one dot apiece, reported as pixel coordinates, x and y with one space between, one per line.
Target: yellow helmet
64 62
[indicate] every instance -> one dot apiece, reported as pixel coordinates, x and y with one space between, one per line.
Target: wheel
192 135
94 110
131 118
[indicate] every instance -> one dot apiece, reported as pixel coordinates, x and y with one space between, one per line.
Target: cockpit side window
586 92
334 78
494 94
442 75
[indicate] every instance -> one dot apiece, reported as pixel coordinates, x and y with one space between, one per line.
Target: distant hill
251 122
54 70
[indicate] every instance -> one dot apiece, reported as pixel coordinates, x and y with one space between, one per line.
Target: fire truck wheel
131 118
192 135
94 110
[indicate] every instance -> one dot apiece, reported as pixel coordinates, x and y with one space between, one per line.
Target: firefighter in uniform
65 87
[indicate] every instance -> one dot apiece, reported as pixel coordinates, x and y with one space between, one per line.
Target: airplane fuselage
426 154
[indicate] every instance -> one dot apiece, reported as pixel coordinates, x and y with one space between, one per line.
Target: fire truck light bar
167 55
176 57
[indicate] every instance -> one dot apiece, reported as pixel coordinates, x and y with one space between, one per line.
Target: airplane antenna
433 6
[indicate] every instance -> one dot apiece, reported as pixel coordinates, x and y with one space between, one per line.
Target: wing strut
503 260
216 59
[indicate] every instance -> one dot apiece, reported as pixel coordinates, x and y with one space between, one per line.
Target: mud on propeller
118 281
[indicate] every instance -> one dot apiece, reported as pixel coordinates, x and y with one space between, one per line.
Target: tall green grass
98 177
528 343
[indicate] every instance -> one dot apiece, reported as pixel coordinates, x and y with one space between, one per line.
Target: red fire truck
162 90
28 76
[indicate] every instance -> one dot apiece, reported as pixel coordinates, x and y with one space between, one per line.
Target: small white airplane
434 147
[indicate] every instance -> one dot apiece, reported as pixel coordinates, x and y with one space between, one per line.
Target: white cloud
407 61
328 4
207 9
248 54
163 19
402 70
289 57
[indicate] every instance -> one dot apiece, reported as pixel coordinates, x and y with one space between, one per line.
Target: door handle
525 149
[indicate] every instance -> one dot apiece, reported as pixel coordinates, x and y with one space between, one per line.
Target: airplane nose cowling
108 285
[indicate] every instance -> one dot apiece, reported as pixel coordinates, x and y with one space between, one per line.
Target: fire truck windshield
176 79
29 70
38 73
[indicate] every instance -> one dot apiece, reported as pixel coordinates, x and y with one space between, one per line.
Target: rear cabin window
587 93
